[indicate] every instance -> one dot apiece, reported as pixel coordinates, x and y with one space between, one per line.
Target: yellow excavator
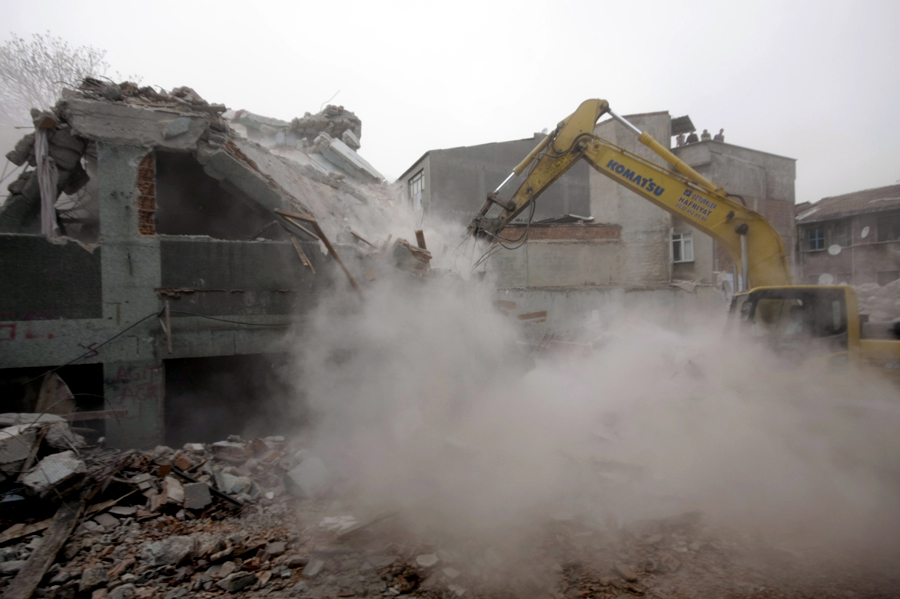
794 319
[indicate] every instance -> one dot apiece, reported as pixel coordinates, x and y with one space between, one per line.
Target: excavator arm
747 235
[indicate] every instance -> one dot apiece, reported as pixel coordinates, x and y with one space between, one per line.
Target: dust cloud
423 400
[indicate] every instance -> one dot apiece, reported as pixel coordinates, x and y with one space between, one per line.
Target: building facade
851 239
452 184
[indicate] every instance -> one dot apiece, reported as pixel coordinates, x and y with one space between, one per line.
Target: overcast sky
813 80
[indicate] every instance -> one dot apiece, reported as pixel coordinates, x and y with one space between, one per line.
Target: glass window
889 228
842 234
416 187
683 247
815 239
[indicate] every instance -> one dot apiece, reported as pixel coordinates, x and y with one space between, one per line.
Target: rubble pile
265 517
178 520
66 148
336 121
179 98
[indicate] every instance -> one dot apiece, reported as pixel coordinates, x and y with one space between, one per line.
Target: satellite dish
826 279
834 250
864 233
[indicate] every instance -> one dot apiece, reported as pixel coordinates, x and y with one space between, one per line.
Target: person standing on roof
720 136
705 136
679 141
692 138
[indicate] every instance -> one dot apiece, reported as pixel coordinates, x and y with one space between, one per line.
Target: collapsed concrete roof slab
134 125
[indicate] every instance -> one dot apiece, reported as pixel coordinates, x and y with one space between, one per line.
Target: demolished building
157 261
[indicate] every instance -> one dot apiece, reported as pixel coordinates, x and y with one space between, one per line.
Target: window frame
836 239
820 237
678 240
887 224
417 180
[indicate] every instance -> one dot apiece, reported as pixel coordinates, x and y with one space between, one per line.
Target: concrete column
130 262
133 378
137 388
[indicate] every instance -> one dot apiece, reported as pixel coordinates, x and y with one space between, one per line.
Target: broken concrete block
349 138
16 442
12 566
310 478
173 490
92 578
53 471
229 451
126 591
63 138
64 158
237 581
177 127
123 510
171 551
107 521
60 436
276 548
196 496
313 568
24 148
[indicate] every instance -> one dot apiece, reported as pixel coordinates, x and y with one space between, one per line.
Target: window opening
889 228
815 239
683 247
416 187
842 234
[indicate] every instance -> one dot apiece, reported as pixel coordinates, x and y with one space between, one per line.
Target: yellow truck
820 320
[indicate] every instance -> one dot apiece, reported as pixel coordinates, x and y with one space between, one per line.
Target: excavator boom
747 235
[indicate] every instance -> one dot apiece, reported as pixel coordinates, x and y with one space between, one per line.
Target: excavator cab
799 321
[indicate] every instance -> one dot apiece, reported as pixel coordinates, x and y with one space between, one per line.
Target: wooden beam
311 220
303 257
361 238
29 577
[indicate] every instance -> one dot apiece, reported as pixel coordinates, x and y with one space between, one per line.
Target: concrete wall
457 181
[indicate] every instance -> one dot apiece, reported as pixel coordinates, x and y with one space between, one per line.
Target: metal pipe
745 284
505 181
626 123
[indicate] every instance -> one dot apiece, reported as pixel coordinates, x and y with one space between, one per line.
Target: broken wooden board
61 527
303 257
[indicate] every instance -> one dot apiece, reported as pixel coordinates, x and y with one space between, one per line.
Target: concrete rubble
174 523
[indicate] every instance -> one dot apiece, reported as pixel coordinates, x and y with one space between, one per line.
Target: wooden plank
294 223
303 257
29 577
361 238
311 220
297 215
